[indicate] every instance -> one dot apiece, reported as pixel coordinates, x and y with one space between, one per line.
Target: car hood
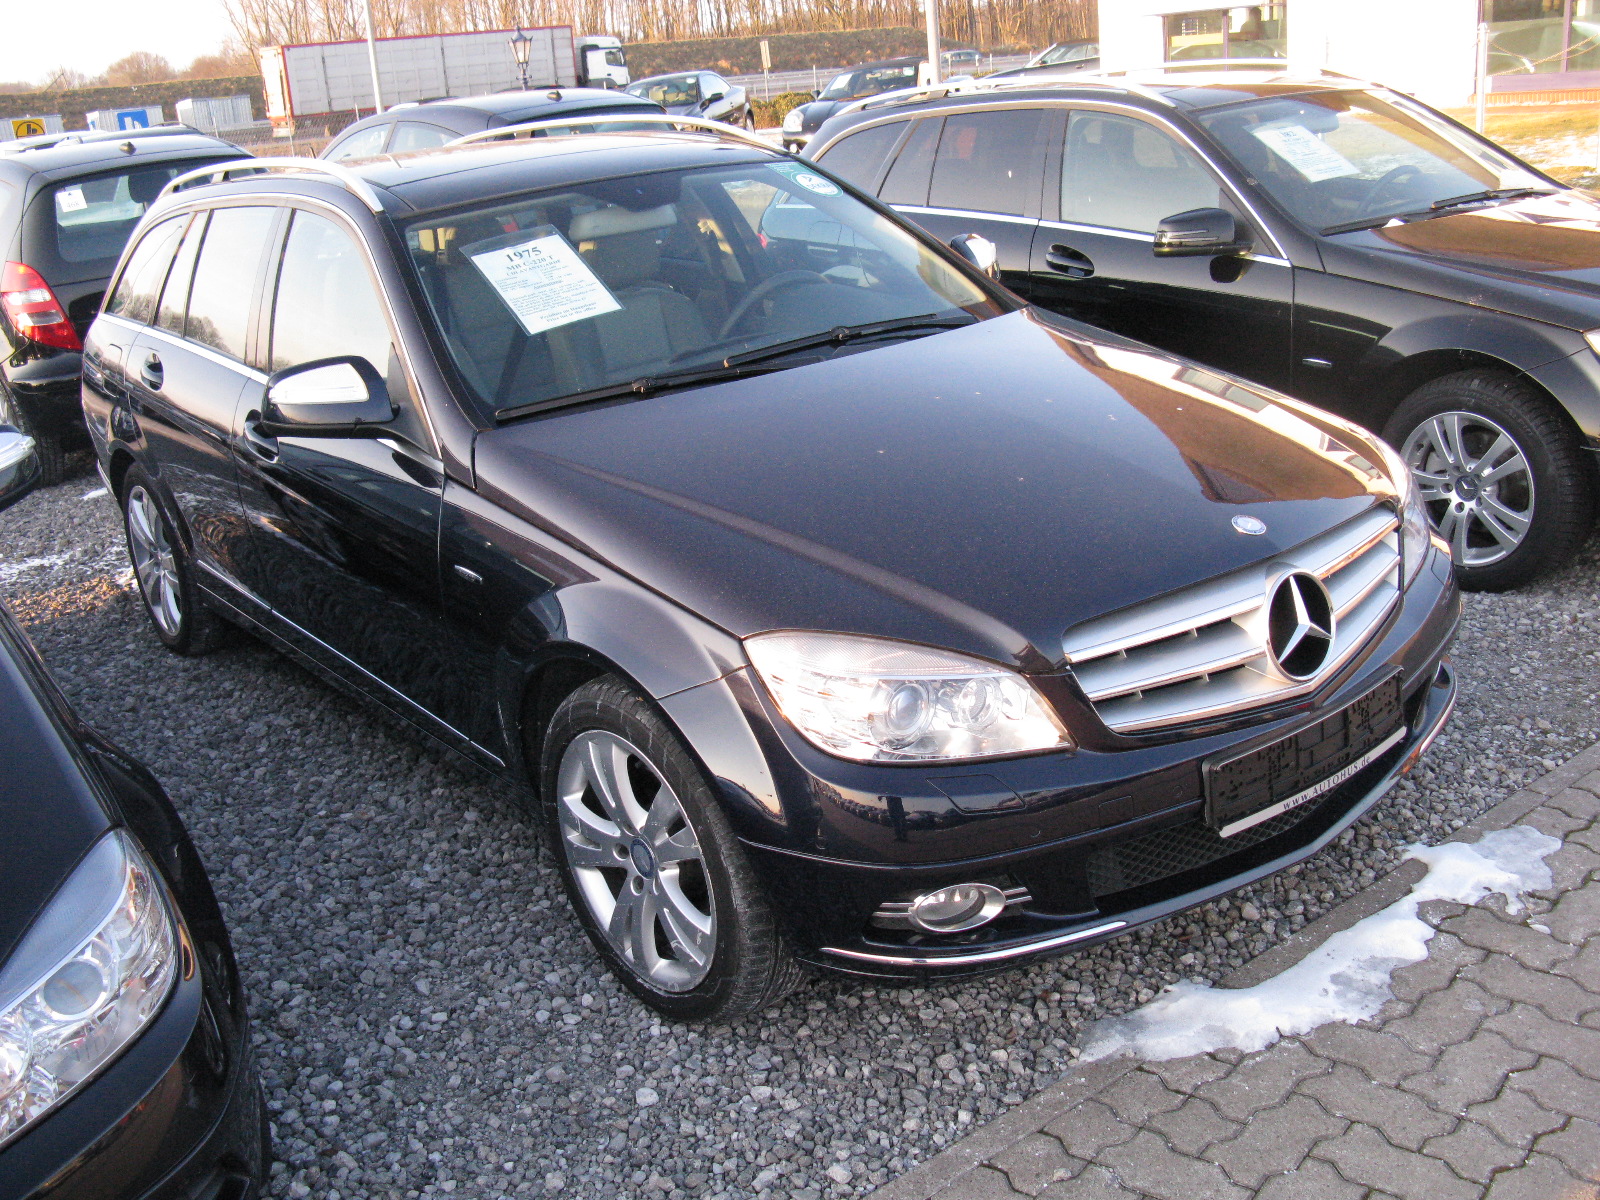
1538 257
983 488
52 817
816 112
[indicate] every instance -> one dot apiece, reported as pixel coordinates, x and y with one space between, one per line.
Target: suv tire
1503 477
50 445
163 572
651 864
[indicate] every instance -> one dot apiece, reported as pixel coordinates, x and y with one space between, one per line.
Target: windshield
1336 157
674 89
564 292
869 82
1065 52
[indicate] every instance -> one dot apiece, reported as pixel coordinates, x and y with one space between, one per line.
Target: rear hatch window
93 217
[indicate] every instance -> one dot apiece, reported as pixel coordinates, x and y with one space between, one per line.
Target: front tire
1501 473
652 866
165 574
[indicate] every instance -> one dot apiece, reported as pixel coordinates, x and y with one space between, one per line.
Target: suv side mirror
19 465
1200 231
331 397
712 98
979 251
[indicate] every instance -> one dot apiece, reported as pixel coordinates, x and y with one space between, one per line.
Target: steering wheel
1388 180
778 282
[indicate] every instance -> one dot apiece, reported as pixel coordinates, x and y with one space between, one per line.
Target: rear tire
1502 475
164 572
651 865
51 447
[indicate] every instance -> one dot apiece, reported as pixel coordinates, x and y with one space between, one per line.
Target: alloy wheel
1476 482
154 561
636 860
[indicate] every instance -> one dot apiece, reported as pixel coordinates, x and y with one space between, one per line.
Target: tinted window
907 181
175 296
95 217
986 161
860 156
411 135
360 145
1125 174
326 305
225 278
135 297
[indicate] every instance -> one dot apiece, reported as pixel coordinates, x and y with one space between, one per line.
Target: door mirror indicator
19 465
331 397
979 251
1200 231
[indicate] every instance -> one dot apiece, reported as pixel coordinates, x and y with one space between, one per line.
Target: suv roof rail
343 176
730 133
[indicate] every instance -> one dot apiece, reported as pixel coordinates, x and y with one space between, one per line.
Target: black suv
1336 240
834 606
66 211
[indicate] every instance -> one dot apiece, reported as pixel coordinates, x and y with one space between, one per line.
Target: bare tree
139 67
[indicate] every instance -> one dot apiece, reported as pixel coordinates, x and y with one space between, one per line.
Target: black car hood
812 115
51 817
1538 257
983 488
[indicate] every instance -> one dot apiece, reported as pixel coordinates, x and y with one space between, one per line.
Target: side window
1123 173
860 156
713 83
360 145
224 285
175 296
907 180
413 135
135 296
987 161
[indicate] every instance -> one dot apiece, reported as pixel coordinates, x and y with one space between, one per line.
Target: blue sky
91 34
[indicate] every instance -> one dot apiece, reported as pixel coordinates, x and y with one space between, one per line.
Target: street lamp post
931 8
521 43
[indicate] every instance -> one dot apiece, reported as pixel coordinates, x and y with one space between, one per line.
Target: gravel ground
432 1021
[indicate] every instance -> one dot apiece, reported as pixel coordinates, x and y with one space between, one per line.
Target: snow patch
10 572
1344 979
96 494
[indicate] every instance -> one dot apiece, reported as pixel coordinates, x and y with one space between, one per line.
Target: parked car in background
856 83
437 122
836 607
698 94
126 1067
66 210
960 61
1340 242
1067 56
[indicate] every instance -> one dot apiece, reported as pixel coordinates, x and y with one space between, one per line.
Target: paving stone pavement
1480 1079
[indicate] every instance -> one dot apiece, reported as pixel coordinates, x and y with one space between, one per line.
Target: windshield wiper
1437 208
841 334
647 385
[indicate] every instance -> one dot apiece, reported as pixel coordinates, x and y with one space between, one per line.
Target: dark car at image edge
126 1066
832 607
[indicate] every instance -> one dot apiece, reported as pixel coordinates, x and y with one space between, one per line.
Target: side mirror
1199 232
712 99
19 465
331 397
979 251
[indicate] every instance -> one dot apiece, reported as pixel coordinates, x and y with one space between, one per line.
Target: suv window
860 156
94 217
907 180
986 161
175 296
225 278
360 145
136 292
414 135
1123 173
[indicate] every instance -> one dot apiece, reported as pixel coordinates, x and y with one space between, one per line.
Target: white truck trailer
327 79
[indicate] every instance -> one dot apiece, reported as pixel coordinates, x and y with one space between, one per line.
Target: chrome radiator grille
1202 653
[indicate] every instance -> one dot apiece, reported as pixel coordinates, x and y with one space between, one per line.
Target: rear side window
414 135
907 180
860 156
360 145
225 278
94 217
175 296
988 161
136 292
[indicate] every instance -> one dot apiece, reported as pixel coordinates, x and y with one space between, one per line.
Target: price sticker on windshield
541 279
1305 152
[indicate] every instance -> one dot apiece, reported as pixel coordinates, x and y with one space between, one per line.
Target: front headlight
794 121
1416 530
88 976
876 701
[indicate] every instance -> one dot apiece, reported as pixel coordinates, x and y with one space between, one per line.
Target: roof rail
731 133
343 176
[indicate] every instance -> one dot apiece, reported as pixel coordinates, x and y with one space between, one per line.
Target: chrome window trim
172 339
933 211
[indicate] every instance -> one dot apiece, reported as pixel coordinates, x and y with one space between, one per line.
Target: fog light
960 906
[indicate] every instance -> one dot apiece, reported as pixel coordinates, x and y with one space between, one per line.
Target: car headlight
1416 529
877 701
88 976
794 121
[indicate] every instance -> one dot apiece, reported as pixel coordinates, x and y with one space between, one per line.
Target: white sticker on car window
1305 152
541 279
809 180
71 199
